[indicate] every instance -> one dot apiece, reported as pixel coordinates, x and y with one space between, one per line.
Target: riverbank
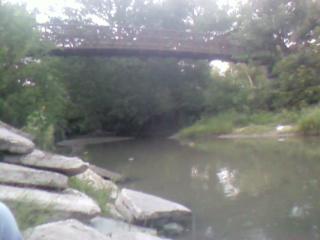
65 197
255 125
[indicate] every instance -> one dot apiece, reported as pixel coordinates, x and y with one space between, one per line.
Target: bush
309 124
41 128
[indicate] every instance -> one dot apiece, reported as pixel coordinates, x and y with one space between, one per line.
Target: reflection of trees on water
274 188
227 179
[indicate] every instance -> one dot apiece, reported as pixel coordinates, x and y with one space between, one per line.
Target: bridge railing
96 37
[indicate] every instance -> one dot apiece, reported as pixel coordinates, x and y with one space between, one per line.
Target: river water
237 189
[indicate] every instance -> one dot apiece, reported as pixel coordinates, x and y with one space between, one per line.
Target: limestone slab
64 230
145 209
48 161
14 143
70 202
24 176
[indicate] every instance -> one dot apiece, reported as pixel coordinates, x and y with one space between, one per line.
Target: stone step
24 176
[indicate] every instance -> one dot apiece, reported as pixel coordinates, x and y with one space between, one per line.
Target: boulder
17 131
23 176
48 161
107 174
113 212
145 209
97 182
109 227
67 203
64 230
172 229
14 143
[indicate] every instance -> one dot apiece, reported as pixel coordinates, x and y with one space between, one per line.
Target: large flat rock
74 230
68 202
48 161
16 131
64 230
145 209
14 143
23 176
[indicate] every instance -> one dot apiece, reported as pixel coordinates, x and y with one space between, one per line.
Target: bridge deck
104 41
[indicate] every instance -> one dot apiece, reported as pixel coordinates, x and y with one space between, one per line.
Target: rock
14 143
144 209
53 162
109 227
135 236
114 212
284 128
98 182
107 174
16 131
64 230
23 176
172 229
68 202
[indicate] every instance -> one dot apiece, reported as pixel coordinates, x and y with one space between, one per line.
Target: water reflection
238 190
227 178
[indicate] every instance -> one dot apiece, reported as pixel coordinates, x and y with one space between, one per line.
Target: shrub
41 128
309 124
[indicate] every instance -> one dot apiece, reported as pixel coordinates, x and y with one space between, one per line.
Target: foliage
31 90
42 130
122 95
100 196
276 28
298 84
309 123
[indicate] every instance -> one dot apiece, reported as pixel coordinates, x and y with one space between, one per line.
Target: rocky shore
31 176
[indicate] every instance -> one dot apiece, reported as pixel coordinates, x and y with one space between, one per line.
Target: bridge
92 40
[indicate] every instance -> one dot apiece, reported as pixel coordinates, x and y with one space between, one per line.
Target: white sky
46 7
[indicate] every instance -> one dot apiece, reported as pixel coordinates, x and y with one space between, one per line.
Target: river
237 189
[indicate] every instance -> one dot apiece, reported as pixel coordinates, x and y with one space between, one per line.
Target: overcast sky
46 6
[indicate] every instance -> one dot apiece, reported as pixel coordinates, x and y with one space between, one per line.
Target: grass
30 215
219 124
100 196
229 122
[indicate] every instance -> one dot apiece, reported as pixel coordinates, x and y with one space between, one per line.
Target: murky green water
255 190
